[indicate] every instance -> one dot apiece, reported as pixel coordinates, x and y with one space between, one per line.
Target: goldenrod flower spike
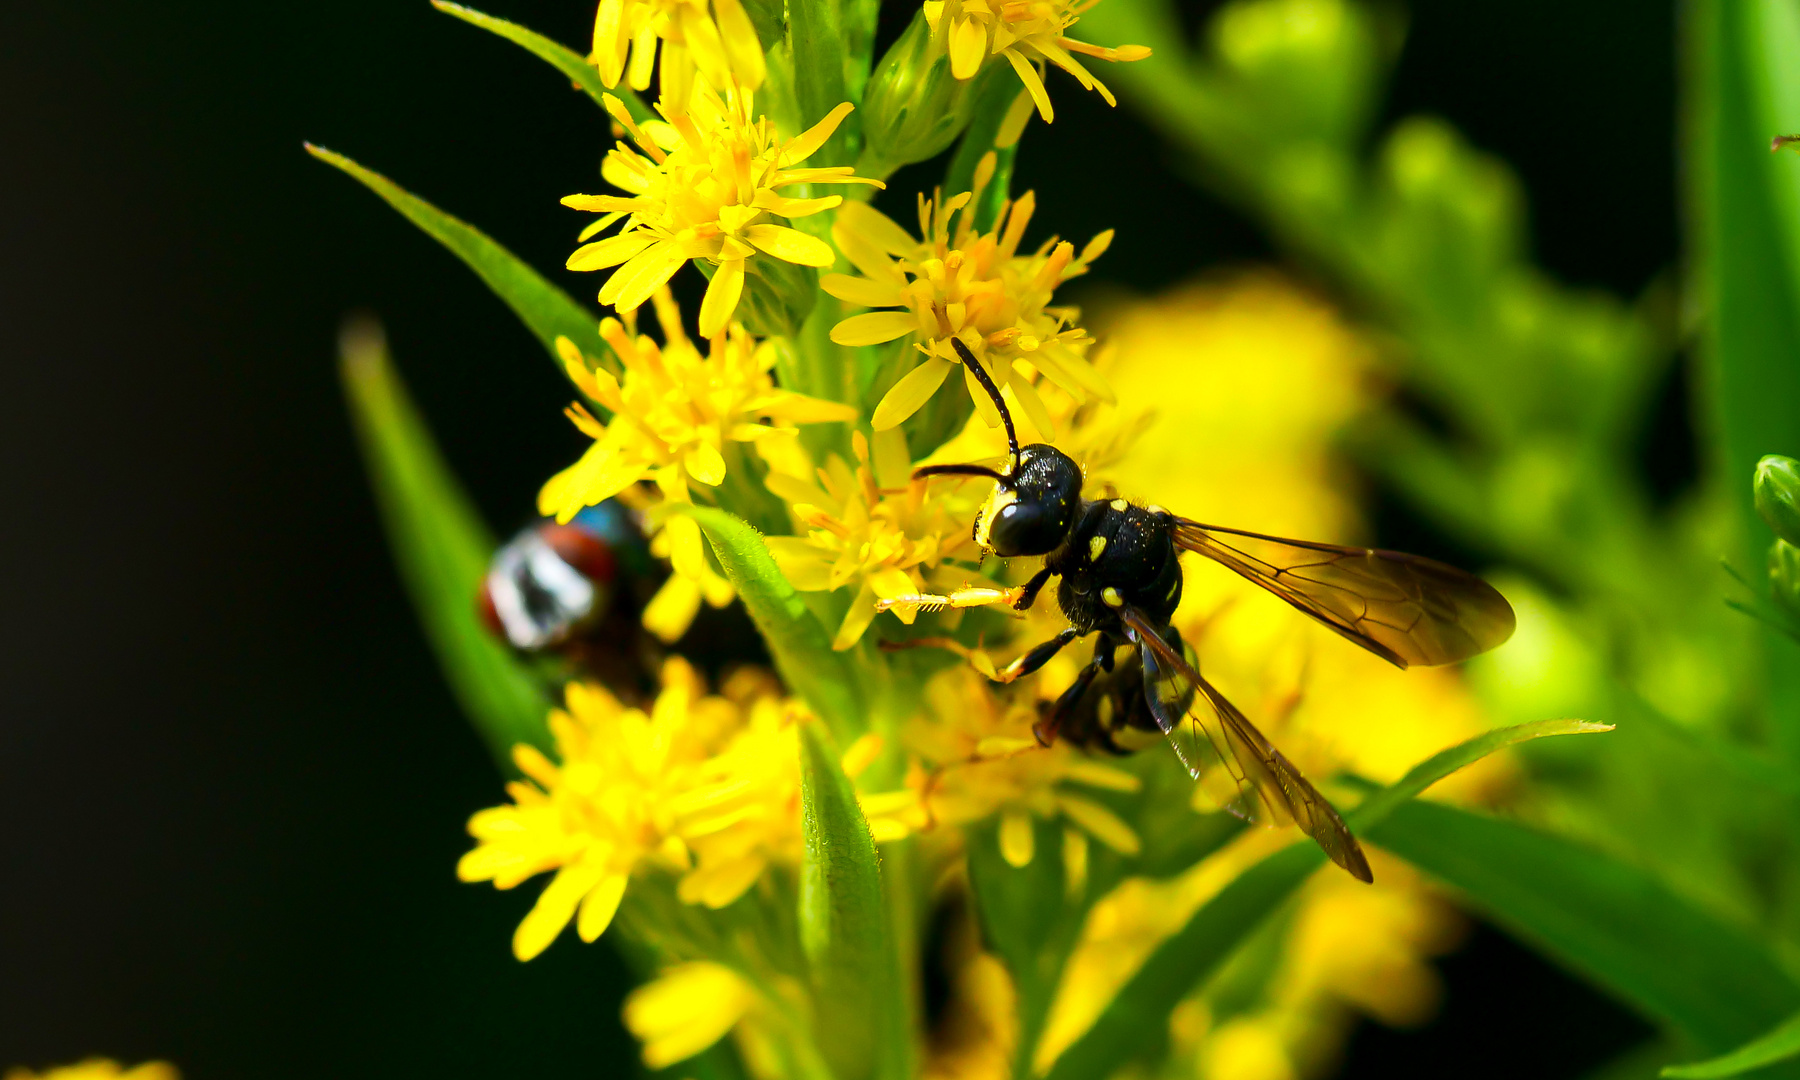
1027 33
717 40
870 528
703 787
975 288
706 185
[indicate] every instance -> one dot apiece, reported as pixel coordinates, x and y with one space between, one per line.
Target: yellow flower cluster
704 787
674 412
974 287
1027 33
719 43
706 186
871 528
99 1069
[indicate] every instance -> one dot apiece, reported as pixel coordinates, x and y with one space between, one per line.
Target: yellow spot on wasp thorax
1111 596
1174 588
1095 547
1120 505
1155 509
1002 498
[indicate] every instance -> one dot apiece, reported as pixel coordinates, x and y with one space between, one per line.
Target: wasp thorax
1031 513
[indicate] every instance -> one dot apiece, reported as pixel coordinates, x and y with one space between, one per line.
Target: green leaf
1746 89
860 1013
564 59
1778 1045
547 311
802 651
1140 1012
1611 922
442 548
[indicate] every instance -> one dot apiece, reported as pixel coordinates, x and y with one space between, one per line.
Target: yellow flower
707 186
975 288
99 1069
979 759
1027 33
689 789
721 44
686 1009
872 528
674 412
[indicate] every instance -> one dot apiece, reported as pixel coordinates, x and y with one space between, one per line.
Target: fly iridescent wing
1272 789
1405 609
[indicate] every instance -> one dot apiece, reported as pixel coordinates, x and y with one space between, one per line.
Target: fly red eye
582 550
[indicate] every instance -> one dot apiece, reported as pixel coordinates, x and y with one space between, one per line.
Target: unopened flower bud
1778 495
914 108
1784 576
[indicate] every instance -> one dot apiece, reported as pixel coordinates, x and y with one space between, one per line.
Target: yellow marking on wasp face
1095 547
1002 498
1120 505
1111 596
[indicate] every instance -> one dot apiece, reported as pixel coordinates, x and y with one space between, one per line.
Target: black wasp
1121 578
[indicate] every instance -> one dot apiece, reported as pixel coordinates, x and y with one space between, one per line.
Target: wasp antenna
923 471
987 383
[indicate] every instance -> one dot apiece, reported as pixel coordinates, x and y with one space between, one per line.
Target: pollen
1112 597
1095 547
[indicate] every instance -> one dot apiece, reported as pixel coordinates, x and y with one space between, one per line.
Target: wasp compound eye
1032 513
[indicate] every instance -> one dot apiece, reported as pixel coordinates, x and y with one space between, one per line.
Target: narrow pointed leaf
800 646
843 924
1778 1045
564 59
1610 922
547 311
1193 953
441 546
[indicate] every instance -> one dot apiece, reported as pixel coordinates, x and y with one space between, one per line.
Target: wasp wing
1403 608
1273 791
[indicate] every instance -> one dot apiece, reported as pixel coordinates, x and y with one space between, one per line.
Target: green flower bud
1778 495
1314 64
778 296
1784 576
914 108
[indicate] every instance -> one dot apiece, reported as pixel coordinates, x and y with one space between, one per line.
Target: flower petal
704 463
1105 826
874 327
856 620
968 48
599 906
791 245
804 565
554 908
721 300
1033 85
912 391
671 611
809 141
875 226
1016 838
611 251
860 290
648 271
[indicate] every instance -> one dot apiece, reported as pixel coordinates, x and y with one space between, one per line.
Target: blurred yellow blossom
973 287
978 759
702 787
99 1069
720 43
1027 33
707 186
1222 361
686 1009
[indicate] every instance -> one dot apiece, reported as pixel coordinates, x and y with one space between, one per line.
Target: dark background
232 786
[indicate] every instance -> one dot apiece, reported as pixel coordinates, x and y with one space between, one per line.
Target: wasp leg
1036 658
1028 592
1046 729
914 603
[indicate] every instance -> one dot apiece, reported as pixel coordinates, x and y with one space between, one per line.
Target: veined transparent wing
1197 718
1403 608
